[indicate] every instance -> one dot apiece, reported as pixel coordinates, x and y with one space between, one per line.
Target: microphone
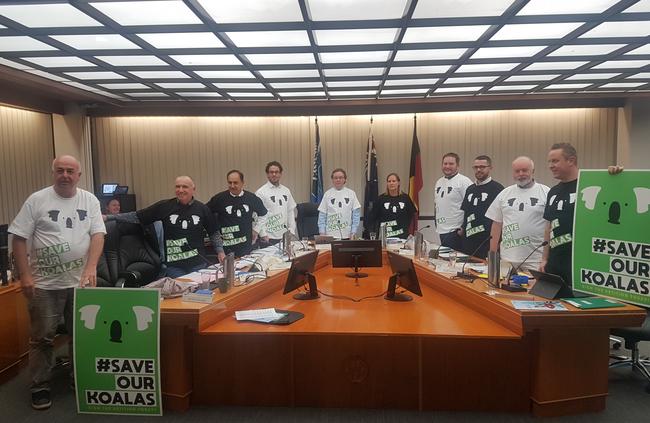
517 288
462 273
543 244
424 227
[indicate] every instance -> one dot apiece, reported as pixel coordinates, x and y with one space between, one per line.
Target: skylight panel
354 72
159 74
147 94
586 50
256 94
459 9
622 85
566 86
14 65
593 76
280 59
21 43
290 73
226 74
183 40
172 85
132 60
512 87
641 50
354 92
240 85
48 15
641 75
415 70
281 85
205 59
519 51
354 56
555 65
95 75
421 81
625 64
199 94
344 10
443 34
46 75
302 94
487 67
564 7
252 10
523 78
470 79
124 86
269 38
59 61
96 42
642 6
147 12
535 31
331 37
339 84
405 91
619 29
430 54
457 89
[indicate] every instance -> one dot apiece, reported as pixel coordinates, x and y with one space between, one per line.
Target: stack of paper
264 315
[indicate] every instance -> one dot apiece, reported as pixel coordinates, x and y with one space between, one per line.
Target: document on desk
539 305
264 315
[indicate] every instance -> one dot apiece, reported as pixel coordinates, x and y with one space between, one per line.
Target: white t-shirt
281 211
58 232
449 195
521 211
337 206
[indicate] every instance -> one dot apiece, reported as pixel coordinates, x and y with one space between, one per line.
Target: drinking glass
453 258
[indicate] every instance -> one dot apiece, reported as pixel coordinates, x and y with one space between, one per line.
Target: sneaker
41 400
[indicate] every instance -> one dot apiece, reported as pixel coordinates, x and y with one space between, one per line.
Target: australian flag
372 184
317 172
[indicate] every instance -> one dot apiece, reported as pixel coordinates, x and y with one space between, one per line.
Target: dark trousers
452 240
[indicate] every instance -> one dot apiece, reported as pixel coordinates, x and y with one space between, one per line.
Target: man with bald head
185 220
517 215
63 227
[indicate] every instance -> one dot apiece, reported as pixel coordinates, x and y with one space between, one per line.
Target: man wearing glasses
478 197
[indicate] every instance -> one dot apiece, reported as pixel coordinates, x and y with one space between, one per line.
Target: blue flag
372 184
317 172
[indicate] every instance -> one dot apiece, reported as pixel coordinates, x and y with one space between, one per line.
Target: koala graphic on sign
112 326
617 204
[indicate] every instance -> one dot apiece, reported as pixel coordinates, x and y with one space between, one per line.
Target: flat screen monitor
301 273
109 188
121 190
356 254
403 275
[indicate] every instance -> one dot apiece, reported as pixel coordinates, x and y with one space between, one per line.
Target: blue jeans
47 309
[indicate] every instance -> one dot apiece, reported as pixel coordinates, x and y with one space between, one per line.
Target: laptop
552 286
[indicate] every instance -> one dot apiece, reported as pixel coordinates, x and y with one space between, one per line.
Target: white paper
264 315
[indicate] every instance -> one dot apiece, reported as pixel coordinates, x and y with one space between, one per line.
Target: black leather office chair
138 263
632 337
307 220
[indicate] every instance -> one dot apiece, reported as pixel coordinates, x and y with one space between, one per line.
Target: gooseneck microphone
462 273
543 244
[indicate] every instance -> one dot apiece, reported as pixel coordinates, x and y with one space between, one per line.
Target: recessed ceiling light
46 75
342 10
523 78
443 34
563 7
173 85
244 11
422 81
59 61
281 85
457 89
586 50
147 12
279 59
125 86
226 74
206 59
354 57
622 85
487 67
566 86
354 72
459 9
430 54
519 51
293 73
21 43
47 15
183 40
535 31
353 92
269 38
132 60
470 79
625 64
338 84
594 76
555 65
512 87
159 74
641 50
240 85
415 70
619 29
95 75
96 42
332 37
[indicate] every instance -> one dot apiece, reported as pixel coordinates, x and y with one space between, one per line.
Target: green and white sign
611 235
116 351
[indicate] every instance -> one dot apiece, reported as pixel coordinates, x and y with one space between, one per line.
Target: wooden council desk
455 348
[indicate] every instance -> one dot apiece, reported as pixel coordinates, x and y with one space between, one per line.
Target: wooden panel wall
146 153
26 147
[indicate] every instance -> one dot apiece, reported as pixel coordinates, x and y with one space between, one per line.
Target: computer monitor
358 253
300 273
109 188
404 274
121 190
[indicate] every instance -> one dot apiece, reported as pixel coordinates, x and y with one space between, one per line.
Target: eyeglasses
481 167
